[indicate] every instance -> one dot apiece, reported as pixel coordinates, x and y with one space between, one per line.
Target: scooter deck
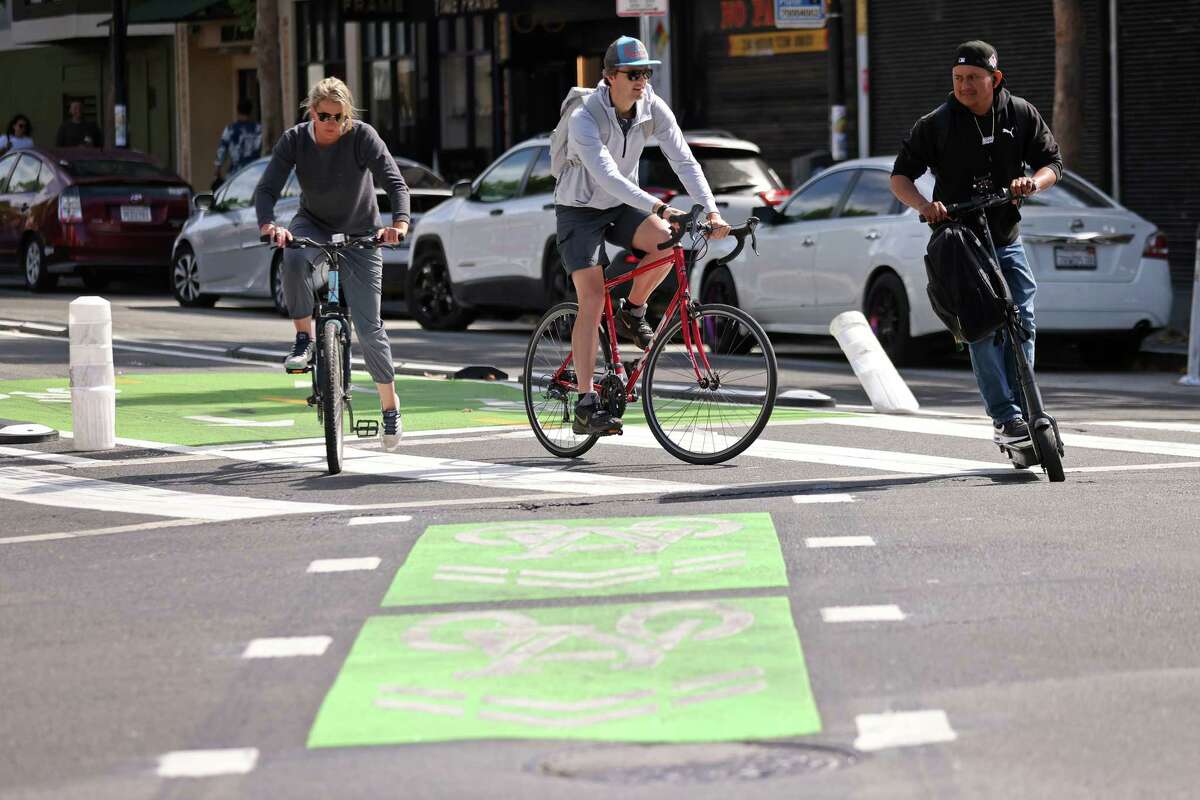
1022 457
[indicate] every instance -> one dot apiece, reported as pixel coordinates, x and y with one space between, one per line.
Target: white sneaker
393 429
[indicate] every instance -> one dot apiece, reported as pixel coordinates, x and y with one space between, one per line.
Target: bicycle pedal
299 371
366 428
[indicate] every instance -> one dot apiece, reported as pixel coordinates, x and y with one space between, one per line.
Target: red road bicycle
708 379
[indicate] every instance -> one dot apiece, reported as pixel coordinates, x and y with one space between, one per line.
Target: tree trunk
1068 80
270 87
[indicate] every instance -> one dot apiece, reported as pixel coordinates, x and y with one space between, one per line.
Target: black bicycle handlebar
368 242
977 203
685 223
740 233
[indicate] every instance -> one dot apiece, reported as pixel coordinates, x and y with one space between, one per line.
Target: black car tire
33 267
428 295
887 311
719 289
559 286
278 298
185 281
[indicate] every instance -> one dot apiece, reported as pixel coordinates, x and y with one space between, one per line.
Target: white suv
492 246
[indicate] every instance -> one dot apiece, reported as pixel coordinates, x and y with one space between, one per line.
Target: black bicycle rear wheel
333 392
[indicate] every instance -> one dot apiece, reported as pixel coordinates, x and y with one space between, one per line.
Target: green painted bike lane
687 669
204 407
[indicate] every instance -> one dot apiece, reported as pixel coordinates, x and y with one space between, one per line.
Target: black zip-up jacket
948 141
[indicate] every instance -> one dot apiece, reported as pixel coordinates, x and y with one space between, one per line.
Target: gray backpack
558 137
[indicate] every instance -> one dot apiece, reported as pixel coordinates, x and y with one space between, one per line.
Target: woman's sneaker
393 428
302 354
1014 432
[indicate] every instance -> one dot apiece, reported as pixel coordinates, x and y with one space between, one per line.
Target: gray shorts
581 231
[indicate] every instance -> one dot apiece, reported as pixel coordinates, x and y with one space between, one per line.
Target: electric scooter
1045 444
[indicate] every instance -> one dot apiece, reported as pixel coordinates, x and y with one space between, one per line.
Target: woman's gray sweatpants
360 277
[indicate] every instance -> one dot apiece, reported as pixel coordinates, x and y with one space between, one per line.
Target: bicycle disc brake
612 395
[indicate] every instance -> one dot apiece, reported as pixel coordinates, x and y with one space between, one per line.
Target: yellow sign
777 43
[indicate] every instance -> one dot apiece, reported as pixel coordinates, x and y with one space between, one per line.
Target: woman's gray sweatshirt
336 190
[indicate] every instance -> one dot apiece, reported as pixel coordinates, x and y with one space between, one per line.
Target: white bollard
1193 374
93 384
887 391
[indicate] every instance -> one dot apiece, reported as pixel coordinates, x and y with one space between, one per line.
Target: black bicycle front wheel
707 402
333 392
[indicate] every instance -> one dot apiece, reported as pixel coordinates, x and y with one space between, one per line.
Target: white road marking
58 458
806 499
902 729
287 647
144 526
234 422
1178 427
207 763
839 541
343 564
379 520
888 613
78 492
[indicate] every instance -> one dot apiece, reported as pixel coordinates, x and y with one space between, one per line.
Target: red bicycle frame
681 300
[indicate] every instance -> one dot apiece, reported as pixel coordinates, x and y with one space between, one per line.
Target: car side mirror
768 215
202 201
461 189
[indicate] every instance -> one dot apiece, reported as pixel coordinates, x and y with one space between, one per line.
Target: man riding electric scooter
976 143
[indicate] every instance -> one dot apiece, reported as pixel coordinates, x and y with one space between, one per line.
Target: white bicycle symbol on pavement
548 540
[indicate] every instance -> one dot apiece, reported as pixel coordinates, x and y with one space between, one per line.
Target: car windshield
420 178
1068 193
728 170
103 168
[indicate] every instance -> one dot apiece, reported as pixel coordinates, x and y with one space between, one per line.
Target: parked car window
97 167
819 199
25 176
6 165
417 177
240 193
504 180
729 171
540 180
1068 193
871 196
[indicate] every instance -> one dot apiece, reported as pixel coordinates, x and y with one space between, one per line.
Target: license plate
135 213
1075 257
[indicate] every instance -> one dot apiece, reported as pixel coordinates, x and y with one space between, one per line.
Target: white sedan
843 241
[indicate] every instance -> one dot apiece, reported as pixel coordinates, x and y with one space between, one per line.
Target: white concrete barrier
93 383
1193 374
887 391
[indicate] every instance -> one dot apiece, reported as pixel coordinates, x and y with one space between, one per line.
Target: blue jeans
996 368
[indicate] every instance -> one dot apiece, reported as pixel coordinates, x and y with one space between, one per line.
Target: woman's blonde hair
333 90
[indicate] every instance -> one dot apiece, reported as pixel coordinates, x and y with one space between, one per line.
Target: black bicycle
330 367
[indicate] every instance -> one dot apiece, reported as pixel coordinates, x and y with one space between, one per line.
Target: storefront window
390 68
320 43
467 91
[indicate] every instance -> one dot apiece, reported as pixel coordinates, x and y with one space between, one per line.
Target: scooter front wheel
1047 447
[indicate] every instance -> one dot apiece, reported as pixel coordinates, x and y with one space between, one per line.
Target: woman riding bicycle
335 156
597 196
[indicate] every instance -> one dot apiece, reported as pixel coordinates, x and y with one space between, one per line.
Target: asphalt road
860 606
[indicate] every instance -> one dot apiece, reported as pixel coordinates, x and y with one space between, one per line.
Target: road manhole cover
693 763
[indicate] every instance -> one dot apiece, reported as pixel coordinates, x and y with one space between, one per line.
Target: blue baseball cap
627 52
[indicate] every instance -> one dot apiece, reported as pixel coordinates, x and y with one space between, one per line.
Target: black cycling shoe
593 420
1014 432
635 329
302 354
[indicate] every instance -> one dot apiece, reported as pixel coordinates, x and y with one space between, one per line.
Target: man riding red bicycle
597 197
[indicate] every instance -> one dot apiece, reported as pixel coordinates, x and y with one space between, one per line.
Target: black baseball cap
976 53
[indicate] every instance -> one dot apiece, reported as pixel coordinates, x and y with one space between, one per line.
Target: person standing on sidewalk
75 131
241 142
976 143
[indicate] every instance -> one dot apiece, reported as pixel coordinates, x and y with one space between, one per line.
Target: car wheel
718 288
33 264
95 281
559 286
887 312
1118 351
429 298
278 298
185 281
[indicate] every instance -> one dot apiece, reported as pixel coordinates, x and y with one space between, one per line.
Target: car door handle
548 207
807 241
872 234
495 212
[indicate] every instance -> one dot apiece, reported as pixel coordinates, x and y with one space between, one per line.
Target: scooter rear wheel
1047 446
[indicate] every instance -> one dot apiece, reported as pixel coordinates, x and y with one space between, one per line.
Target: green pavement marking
588 557
688 671
252 406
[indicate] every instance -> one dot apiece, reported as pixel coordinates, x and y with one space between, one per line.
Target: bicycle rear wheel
550 403
708 415
333 391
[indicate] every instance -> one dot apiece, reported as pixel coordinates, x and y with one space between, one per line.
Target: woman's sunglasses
637 74
325 117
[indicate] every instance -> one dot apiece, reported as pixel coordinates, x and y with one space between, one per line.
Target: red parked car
88 212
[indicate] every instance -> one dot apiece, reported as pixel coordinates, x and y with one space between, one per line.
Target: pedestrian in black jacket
978 142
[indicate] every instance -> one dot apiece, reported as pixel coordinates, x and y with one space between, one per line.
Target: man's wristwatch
660 212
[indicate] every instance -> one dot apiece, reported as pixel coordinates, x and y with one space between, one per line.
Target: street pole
120 91
837 83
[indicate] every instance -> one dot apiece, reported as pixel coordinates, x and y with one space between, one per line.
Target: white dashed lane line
885 613
902 729
343 564
833 497
839 541
381 520
207 763
287 647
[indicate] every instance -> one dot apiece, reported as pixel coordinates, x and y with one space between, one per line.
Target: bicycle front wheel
333 392
705 402
549 401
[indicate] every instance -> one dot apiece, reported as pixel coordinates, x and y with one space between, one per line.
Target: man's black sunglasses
637 74
325 117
